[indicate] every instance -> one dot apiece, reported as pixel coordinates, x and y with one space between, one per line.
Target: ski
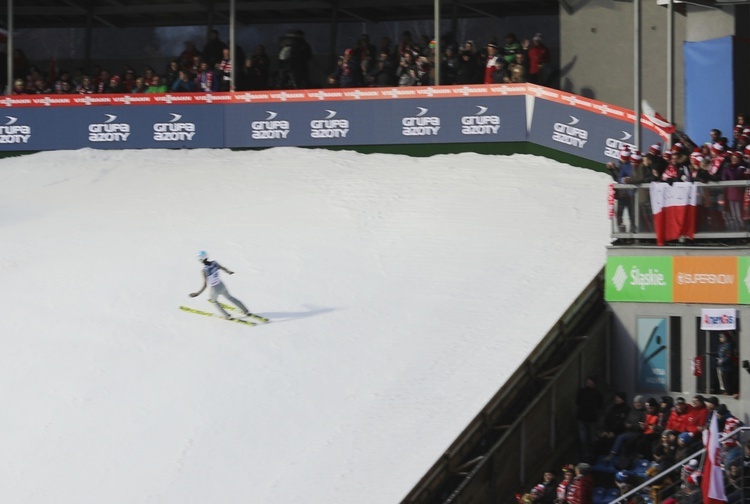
233 308
216 315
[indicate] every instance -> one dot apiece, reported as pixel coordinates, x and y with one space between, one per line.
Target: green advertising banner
638 279
743 275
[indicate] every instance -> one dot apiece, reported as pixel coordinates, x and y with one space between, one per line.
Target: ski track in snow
403 292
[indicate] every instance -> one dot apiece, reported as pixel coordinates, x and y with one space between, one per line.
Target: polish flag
712 485
656 118
674 210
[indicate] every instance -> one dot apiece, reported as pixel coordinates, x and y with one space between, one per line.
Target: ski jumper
211 271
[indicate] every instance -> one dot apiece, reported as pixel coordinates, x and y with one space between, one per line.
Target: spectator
539 57
365 49
205 80
678 419
697 418
349 73
622 173
64 84
493 54
172 73
140 85
734 170
115 86
104 80
614 422
384 73
564 487
183 84
467 69
589 403
214 48
41 87
500 75
549 487
686 446
425 72
651 437
224 70
449 69
248 77
19 87
148 75
582 487
128 81
188 55
156 85
726 359
407 70
731 449
512 47
635 423
664 453
518 70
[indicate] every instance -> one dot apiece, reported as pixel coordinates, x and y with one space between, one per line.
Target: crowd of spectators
624 444
407 63
717 159
412 62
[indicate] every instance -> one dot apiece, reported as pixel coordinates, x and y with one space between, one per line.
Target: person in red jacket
696 418
582 487
538 55
679 417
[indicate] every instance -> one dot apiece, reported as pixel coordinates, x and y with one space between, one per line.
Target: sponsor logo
650 278
174 130
569 134
619 278
109 130
329 127
270 128
613 146
479 123
12 133
420 124
704 278
723 319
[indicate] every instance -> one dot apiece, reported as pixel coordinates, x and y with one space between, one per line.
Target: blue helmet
202 256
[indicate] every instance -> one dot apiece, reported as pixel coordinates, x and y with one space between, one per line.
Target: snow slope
403 292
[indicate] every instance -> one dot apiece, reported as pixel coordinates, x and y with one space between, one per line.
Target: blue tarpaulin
709 88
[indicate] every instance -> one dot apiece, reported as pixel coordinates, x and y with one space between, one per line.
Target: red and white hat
717 147
655 150
636 157
625 153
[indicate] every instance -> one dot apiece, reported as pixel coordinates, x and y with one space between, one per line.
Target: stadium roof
131 13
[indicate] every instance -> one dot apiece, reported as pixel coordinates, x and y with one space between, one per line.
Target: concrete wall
597 43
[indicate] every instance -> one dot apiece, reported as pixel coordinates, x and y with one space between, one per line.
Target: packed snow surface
402 292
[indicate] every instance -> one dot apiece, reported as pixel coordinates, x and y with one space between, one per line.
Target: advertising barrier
678 279
330 117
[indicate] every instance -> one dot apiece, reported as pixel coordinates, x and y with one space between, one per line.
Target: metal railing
721 212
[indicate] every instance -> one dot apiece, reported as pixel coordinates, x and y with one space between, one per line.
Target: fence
721 211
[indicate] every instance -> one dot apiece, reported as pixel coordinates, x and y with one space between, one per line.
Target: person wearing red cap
493 53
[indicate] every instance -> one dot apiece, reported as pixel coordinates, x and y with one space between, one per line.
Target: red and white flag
673 207
656 118
712 485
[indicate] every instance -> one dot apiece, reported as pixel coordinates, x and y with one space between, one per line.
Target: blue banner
709 88
590 135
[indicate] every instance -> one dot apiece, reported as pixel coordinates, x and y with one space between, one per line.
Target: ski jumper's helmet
202 256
